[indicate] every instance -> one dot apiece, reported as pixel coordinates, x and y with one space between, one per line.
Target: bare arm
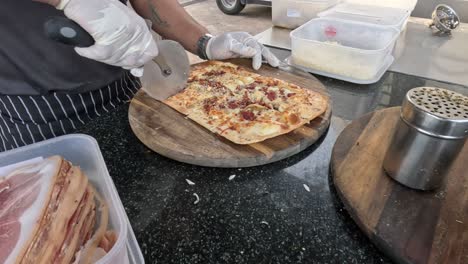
171 21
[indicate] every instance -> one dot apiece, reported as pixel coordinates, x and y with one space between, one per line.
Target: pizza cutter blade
167 74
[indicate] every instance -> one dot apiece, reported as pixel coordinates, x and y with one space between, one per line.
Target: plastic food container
377 15
294 13
380 72
391 13
343 48
83 150
400 4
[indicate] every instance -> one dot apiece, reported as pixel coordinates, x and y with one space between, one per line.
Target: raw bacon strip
14 205
76 223
72 230
40 239
69 188
87 232
9 235
58 205
97 237
24 193
86 255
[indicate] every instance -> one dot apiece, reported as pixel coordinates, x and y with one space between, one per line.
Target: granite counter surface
263 214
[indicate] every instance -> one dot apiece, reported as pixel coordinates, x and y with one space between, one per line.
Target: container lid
437 112
408 5
385 16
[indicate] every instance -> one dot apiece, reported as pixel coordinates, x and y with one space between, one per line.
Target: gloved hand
239 44
122 38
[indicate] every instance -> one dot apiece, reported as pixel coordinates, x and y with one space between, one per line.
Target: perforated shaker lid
436 111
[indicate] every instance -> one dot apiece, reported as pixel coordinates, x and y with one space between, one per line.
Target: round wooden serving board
171 134
410 226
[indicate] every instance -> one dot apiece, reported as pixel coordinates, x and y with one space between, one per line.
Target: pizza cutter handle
67 31
161 62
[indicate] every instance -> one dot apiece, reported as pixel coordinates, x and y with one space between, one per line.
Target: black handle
67 31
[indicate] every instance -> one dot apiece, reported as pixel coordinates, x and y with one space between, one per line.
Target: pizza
242 106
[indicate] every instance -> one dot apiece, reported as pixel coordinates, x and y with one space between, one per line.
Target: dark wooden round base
410 226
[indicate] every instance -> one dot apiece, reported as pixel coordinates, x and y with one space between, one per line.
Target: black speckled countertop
263 214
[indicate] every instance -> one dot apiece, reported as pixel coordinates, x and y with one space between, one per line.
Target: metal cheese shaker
431 132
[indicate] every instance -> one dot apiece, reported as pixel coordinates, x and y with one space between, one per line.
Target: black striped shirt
28 119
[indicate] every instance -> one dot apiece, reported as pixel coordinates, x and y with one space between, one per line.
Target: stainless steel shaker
431 132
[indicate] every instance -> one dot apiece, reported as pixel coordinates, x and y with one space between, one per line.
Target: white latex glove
122 38
239 45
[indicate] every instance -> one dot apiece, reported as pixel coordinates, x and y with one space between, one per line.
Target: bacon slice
24 193
271 95
87 254
214 73
74 228
48 214
247 115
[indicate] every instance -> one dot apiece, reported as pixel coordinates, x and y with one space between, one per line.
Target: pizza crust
245 107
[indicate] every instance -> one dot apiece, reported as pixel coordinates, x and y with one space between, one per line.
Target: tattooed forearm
171 21
155 17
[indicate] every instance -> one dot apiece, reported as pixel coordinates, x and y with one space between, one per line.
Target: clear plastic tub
387 63
83 150
377 15
400 4
294 13
344 48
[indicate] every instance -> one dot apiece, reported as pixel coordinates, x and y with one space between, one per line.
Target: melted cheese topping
241 103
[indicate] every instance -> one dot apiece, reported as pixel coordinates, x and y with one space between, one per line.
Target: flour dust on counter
189 182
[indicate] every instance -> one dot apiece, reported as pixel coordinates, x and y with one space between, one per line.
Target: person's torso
32 64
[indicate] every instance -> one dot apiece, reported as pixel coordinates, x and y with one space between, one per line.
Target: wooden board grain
410 226
171 134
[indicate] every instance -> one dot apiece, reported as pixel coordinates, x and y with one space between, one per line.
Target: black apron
29 119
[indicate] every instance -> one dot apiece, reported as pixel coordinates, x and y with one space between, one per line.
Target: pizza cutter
163 77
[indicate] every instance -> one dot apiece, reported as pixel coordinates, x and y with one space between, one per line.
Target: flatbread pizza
245 107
